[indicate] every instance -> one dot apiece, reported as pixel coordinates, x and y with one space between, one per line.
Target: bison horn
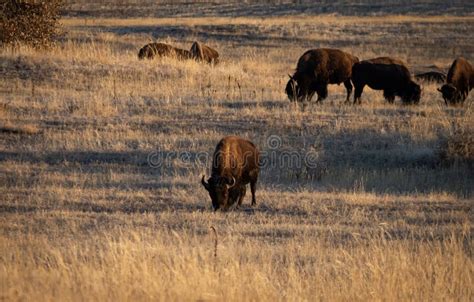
232 183
291 78
439 89
204 183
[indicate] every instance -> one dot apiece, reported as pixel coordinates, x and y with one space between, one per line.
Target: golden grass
175 265
268 20
84 216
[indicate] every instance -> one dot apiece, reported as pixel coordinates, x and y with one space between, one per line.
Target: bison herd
198 51
236 160
317 68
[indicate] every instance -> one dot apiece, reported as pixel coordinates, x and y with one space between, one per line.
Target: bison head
218 188
450 94
301 89
147 52
141 54
292 90
412 93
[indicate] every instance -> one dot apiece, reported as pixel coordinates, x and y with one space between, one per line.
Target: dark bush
33 23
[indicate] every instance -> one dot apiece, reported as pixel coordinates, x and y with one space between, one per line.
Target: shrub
34 23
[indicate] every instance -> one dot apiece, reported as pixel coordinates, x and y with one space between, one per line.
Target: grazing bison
431 76
394 79
316 69
387 60
152 50
201 52
459 82
235 164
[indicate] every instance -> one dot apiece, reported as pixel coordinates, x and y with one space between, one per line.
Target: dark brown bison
459 82
153 50
201 52
431 76
235 164
316 69
393 78
387 60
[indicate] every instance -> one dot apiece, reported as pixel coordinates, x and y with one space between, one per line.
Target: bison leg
464 95
308 97
243 190
253 185
348 86
322 93
358 93
389 96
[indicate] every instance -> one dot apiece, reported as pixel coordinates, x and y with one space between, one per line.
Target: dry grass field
101 157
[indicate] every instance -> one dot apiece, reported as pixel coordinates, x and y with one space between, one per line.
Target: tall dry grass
130 264
382 216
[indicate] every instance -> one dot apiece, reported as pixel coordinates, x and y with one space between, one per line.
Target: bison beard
316 69
459 82
451 95
393 79
235 164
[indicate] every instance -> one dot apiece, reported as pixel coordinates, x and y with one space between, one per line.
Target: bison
393 78
316 69
459 82
431 76
235 164
152 50
387 60
201 52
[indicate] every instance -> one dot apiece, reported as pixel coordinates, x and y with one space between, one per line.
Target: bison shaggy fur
201 52
152 50
316 69
393 78
459 82
235 164
387 60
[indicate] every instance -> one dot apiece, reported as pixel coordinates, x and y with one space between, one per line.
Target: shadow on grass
138 158
380 161
254 104
419 221
159 205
